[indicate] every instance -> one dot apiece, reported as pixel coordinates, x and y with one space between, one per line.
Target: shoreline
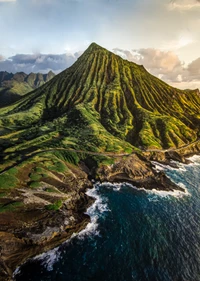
177 193
145 181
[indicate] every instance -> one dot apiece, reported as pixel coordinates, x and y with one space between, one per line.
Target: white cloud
184 4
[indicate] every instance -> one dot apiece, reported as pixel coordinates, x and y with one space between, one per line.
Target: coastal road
109 154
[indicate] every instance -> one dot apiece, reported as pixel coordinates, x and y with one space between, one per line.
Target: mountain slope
123 98
13 86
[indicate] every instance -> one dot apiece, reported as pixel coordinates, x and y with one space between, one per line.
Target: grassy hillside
13 86
103 105
119 96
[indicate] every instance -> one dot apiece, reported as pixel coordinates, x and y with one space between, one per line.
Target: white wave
17 271
99 207
162 167
195 159
180 166
109 185
49 258
160 193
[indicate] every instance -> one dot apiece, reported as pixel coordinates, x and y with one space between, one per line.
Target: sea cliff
32 230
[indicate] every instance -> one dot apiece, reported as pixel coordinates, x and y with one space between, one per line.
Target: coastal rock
138 171
36 227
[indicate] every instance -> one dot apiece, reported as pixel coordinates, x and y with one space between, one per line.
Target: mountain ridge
119 91
14 86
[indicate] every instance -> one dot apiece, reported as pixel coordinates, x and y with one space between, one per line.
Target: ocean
134 235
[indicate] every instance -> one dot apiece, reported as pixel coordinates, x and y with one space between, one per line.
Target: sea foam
195 159
48 259
99 207
161 193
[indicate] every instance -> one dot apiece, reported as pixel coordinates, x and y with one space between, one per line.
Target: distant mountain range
13 86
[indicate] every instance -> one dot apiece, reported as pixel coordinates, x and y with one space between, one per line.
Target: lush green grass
9 180
56 206
34 184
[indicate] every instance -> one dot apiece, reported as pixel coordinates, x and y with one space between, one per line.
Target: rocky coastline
35 229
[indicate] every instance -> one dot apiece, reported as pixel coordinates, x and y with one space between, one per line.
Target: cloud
193 70
7 1
184 4
183 41
163 64
166 66
38 62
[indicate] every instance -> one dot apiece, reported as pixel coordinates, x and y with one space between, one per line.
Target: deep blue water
133 235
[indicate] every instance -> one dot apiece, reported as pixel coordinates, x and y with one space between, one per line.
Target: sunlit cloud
166 65
182 41
184 4
175 45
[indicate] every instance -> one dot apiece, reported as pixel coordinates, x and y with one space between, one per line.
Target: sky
44 35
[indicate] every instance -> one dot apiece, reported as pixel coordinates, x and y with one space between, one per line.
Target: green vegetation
56 206
34 184
8 180
14 86
98 108
10 207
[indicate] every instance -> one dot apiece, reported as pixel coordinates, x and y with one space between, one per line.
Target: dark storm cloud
38 62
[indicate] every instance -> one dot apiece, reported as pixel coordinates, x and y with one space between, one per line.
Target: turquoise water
133 235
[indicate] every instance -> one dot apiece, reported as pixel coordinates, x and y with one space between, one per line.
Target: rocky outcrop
180 154
36 227
138 171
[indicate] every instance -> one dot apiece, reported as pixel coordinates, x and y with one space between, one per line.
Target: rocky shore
34 229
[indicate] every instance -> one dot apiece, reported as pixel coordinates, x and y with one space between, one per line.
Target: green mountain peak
116 95
94 46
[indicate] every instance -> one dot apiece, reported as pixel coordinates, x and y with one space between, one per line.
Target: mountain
104 118
100 105
118 96
13 86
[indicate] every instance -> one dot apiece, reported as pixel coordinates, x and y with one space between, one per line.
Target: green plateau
104 118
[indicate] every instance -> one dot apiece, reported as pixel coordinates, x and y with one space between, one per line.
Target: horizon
50 35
